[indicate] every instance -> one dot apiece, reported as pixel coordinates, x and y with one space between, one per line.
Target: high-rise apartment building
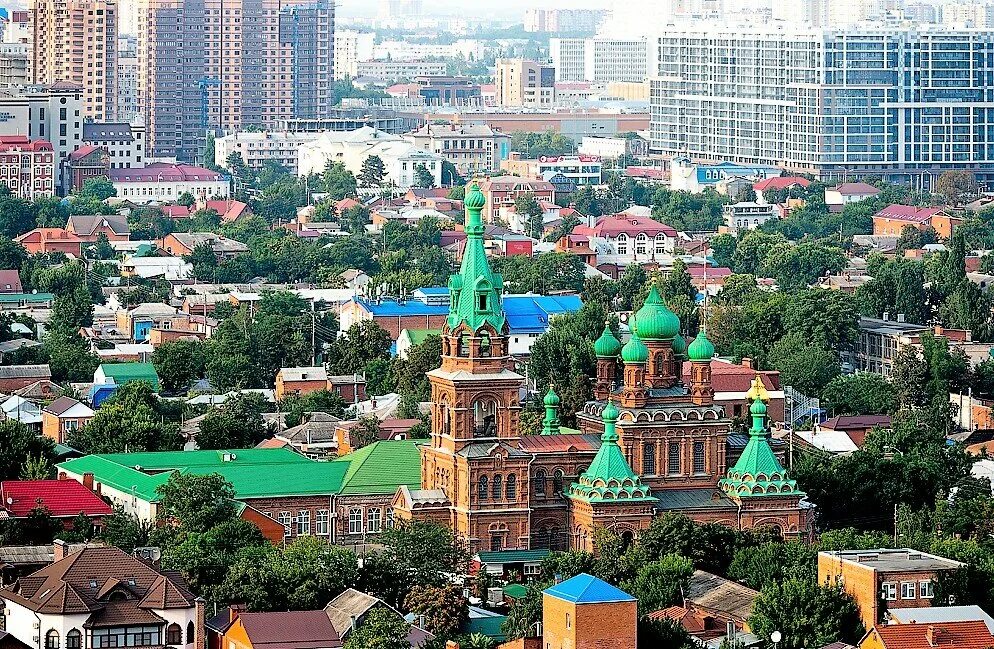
128 95
601 60
525 83
351 47
205 66
904 104
51 113
75 41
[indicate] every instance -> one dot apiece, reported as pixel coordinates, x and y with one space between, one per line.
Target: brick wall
588 626
294 505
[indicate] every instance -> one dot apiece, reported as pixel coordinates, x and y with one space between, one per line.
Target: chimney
234 610
936 637
88 481
900 317
886 315
747 362
60 549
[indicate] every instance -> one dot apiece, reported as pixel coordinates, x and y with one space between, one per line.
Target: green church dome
635 350
551 398
607 346
655 321
679 346
474 199
701 349
610 412
757 408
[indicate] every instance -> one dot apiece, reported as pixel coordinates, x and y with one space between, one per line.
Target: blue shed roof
406 308
587 589
531 313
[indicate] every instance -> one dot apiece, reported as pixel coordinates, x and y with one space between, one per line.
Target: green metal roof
635 350
609 478
488 626
382 467
512 556
254 473
25 297
516 591
607 346
701 349
418 336
550 424
476 289
758 472
654 320
123 373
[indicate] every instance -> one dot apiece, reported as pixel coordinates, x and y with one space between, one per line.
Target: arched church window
539 482
485 418
483 488
481 302
498 487
463 345
557 481
485 347
512 487
649 459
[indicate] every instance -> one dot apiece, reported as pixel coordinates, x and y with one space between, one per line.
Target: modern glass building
904 104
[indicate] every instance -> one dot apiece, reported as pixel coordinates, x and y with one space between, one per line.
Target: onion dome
474 199
610 412
655 321
679 347
635 351
701 350
607 346
551 398
758 408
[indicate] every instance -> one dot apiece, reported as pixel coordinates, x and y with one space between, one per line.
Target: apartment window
888 591
321 521
303 522
374 519
74 639
908 590
622 244
673 458
926 589
285 519
355 521
699 465
640 244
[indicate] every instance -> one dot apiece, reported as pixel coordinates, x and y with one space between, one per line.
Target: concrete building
257 147
885 579
124 143
257 65
472 148
14 68
747 215
392 70
600 60
27 167
840 105
350 48
502 191
400 157
164 183
527 84
52 113
75 41
128 93
563 20
881 339
581 169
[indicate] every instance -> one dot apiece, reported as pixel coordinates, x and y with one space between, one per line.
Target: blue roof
587 589
433 290
531 313
406 308
722 170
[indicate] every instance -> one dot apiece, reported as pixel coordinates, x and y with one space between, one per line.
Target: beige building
525 83
255 64
75 41
472 148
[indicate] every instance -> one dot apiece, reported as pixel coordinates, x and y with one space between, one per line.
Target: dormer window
481 302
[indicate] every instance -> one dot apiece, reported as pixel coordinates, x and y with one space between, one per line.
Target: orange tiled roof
958 635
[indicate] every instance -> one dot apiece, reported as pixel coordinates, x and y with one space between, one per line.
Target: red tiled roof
843 422
644 172
83 151
12 279
230 210
780 182
955 635
716 273
162 172
682 616
175 211
22 143
48 234
613 225
345 204
729 377
289 630
908 213
62 497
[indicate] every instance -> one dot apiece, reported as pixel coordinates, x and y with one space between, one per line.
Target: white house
170 268
748 215
627 238
102 597
400 157
164 183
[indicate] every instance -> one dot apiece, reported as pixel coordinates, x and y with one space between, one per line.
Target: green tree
129 421
525 613
363 342
531 213
862 393
796 267
803 366
660 583
178 363
186 199
457 192
807 614
752 250
723 249
654 634
126 531
380 629
18 445
422 177
956 186
758 565
237 423
372 172
98 188
339 182
426 552
444 608
196 502
410 372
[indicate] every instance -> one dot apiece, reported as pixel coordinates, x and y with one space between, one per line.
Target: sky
503 7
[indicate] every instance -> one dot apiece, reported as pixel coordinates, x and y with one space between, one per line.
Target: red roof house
955 635
781 182
50 240
63 498
10 282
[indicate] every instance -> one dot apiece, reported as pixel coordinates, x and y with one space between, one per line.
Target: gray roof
217 242
931 615
350 604
890 327
319 427
895 560
428 496
704 498
720 595
18 343
14 555
107 132
86 223
25 371
486 449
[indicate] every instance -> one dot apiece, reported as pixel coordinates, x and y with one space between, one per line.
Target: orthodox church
648 443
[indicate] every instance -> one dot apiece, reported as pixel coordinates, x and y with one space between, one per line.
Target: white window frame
286 520
888 591
926 589
621 244
909 590
374 520
321 518
355 521
303 522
